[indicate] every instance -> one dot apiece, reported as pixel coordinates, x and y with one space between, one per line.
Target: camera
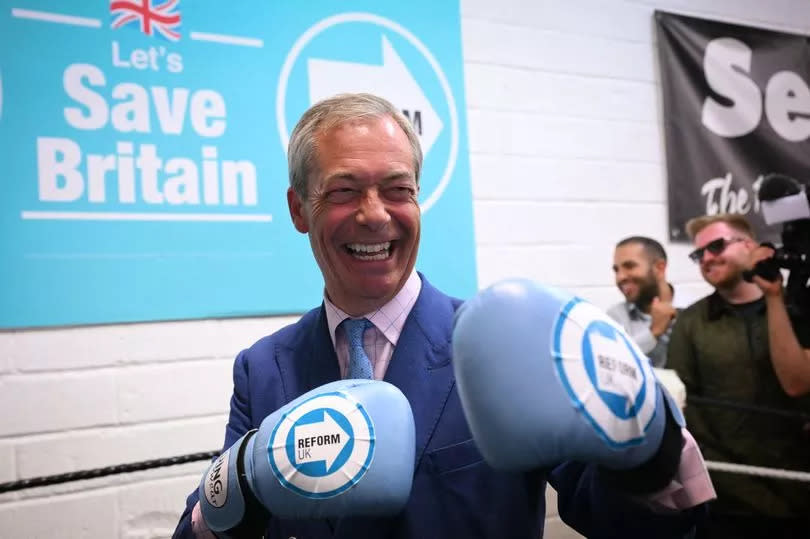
785 200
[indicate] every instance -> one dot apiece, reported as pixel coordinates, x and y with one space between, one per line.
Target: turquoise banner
142 150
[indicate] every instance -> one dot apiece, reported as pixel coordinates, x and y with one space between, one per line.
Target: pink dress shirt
380 340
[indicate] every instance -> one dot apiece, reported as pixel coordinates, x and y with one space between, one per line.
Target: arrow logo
391 80
616 370
321 441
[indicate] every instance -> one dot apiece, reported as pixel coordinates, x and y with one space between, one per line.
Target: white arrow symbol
322 441
391 80
616 370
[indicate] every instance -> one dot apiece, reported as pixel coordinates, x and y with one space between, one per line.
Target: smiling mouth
369 251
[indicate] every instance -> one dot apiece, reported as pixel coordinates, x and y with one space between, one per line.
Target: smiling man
739 345
361 210
640 268
354 165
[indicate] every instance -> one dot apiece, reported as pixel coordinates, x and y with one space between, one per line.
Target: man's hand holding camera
791 362
765 272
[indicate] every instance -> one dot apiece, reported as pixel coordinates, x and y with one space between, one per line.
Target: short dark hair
653 249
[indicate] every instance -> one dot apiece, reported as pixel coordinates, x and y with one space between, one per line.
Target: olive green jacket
719 356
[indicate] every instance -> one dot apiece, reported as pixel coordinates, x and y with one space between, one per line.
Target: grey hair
332 112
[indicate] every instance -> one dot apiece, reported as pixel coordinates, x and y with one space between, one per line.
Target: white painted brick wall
152 393
160 520
92 448
566 158
57 401
8 463
86 515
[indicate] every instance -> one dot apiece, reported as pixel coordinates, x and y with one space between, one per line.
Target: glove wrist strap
656 473
254 523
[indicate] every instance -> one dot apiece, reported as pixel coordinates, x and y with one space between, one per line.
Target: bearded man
647 314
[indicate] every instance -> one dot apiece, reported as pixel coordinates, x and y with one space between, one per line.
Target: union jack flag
148 16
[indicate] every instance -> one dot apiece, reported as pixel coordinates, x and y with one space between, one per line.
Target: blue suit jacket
455 493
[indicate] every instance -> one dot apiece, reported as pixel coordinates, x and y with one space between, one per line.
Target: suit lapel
421 369
309 360
320 364
420 366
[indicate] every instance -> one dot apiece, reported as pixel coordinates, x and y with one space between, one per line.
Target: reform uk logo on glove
604 372
323 446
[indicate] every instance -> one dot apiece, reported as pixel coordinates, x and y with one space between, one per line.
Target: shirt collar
388 319
634 312
718 306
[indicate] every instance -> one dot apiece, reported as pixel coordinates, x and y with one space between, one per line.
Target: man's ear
660 269
297 211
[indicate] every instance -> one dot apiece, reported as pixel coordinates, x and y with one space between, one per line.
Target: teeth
370 248
381 256
370 251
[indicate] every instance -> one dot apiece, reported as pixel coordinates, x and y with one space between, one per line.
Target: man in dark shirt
740 345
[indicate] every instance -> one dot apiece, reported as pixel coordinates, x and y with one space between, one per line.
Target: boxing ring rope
775 473
102 472
760 471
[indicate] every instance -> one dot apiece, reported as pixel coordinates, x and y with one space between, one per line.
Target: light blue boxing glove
545 377
343 449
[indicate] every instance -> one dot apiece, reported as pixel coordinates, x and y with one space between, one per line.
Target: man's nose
372 211
706 256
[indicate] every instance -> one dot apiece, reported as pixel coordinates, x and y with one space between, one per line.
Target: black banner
736 107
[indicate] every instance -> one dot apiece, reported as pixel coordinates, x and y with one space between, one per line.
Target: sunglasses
715 247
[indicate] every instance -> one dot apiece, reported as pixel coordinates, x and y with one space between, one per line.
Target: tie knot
359 363
355 328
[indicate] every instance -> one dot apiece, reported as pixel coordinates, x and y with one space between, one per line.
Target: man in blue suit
354 164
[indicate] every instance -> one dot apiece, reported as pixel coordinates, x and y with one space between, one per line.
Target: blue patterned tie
359 364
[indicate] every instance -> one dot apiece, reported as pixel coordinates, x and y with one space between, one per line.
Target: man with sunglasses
738 345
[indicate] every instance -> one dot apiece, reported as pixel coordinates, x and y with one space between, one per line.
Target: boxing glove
545 377
343 449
